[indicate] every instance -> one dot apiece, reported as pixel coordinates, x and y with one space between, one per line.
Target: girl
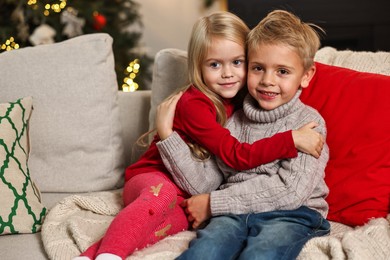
217 71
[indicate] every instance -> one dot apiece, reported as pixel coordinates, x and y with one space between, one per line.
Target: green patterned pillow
21 210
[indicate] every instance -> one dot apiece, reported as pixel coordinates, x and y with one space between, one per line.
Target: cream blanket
79 220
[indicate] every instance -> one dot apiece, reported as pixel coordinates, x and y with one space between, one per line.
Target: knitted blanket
77 221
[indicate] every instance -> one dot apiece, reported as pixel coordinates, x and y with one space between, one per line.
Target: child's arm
165 114
195 121
200 124
191 175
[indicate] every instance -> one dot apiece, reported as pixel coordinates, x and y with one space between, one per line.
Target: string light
9 44
55 7
32 2
129 84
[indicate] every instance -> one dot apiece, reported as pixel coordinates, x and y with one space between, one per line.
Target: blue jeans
269 235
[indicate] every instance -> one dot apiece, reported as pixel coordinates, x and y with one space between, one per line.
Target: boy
271 211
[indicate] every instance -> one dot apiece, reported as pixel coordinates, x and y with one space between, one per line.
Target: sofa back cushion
363 61
170 72
75 129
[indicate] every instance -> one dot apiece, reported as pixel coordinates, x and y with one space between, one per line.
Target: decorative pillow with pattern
21 210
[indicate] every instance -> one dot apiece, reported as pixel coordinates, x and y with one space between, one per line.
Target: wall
349 24
168 23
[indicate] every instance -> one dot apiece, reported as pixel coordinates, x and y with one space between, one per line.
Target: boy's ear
307 76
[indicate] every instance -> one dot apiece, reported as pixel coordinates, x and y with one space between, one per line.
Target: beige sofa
82 134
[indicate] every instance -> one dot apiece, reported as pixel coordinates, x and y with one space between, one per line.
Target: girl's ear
307 76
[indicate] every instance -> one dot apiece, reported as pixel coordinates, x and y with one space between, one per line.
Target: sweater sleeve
193 176
198 119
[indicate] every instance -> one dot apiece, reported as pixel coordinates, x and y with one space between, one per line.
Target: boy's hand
197 208
165 114
308 140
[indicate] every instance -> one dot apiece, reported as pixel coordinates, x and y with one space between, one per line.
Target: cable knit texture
282 184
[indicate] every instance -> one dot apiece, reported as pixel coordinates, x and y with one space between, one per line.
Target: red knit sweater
195 121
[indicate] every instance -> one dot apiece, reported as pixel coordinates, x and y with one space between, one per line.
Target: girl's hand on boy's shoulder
197 209
165 114
308 140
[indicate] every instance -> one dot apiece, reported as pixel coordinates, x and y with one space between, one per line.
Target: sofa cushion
26 246
21 210
170 72
75 129
136 124
355 106
363 61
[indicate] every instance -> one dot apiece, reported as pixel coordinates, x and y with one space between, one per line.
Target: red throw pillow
356 108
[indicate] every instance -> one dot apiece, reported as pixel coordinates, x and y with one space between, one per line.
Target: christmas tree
33 22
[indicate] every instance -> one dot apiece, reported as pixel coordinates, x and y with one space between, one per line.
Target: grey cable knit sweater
281 185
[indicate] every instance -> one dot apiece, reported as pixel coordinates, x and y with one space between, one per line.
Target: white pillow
75 130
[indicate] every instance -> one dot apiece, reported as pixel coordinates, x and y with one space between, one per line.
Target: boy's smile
275 73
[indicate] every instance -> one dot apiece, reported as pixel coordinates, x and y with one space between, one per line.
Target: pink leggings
152 211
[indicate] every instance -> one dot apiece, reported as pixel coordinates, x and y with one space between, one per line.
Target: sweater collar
255 113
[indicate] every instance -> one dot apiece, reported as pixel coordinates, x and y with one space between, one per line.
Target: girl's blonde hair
280 26
223 25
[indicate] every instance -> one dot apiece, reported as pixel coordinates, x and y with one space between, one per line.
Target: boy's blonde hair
282 27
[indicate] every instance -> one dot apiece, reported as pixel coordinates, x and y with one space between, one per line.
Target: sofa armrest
134 115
